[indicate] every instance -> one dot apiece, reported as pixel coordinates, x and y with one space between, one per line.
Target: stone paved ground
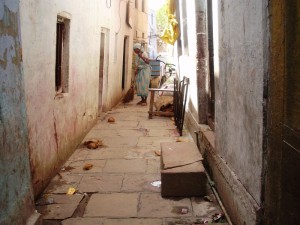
117 190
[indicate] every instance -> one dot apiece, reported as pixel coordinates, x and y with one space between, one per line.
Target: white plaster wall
187 61
56 125
239 91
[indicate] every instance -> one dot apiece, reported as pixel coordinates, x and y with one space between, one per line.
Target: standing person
142 73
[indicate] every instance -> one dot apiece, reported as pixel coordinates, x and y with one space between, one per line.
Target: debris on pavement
180 210
207 198
201 221
45 200
93 143
111 119
71 191
87 166
156 183
218 218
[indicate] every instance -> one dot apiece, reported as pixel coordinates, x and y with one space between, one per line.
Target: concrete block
185 181
182 171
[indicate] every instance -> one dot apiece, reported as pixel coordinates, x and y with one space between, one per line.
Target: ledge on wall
240 205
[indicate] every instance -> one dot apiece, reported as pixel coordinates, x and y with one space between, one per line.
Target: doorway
103 68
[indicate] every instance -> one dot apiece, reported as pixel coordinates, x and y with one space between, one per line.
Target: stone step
182 171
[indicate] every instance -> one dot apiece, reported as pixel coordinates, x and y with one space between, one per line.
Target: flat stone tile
128 116
100 183
155 132
62 182
112 205
79 154
153 142
125 166
101 125
140 183
78 166
120 142
133 222
153 205
107 153
140 153
153 123
131 107
153 166
132 132
99 134
123 124
82 221
186 221
63 207
204 208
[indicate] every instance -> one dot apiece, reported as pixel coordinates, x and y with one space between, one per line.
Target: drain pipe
212 186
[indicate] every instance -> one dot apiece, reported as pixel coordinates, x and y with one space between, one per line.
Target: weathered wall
57 123
186 52
239 90
16 199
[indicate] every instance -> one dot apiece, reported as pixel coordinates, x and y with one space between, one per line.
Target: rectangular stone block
182 171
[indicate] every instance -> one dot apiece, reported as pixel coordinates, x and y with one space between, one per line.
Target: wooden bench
182 171
152 95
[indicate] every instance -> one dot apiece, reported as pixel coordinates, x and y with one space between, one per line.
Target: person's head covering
138 46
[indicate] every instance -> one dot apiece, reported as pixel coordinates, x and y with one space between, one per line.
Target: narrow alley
121 186
72 154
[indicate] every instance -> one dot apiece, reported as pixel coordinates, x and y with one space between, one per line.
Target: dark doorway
211 79
125 62
101 70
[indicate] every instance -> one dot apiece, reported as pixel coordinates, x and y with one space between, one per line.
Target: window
136 4
62 54
143 5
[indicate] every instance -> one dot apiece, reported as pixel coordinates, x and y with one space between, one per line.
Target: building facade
241 59
62 64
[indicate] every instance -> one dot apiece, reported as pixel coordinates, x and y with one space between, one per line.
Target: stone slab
100 183
204 208
140 183
112 205
63 207
82 221
133 222
78 166
153 166
132 132
62 182
125 166
153 142
106 153
176 154
120 142
184 181
153 205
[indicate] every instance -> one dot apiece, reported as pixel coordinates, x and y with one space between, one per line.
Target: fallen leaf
111 119
88 166
93 143
71 191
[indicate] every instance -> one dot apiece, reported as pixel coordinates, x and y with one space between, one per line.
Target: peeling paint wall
57 123
16 199
186 52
